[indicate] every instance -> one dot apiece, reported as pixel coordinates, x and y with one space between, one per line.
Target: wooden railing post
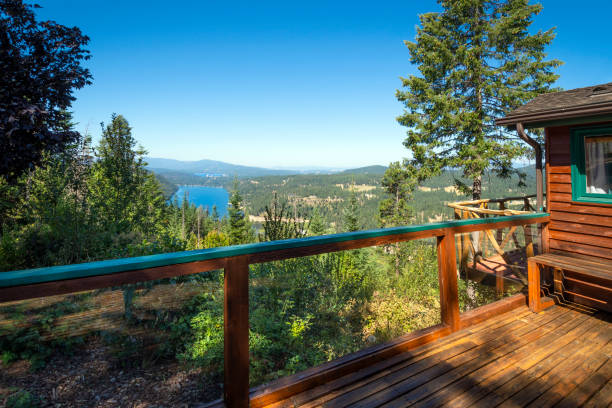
533 276
544 238
236 332
447 273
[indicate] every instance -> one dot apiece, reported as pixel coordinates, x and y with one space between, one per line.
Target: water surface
205 196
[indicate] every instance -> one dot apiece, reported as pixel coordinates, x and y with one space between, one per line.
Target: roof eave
529 119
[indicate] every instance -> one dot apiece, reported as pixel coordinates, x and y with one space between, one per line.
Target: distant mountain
366 170
216 169
213 168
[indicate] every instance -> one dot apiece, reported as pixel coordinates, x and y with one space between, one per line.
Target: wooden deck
559 357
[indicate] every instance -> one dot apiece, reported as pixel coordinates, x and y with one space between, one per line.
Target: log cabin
578 149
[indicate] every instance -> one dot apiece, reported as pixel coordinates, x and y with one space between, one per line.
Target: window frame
578 165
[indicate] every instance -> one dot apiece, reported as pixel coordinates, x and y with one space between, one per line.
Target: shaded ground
119 364
93 377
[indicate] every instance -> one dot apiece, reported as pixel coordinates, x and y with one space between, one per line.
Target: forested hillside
328 193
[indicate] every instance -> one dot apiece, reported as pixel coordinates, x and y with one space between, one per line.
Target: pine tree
395 210
124 195
477 62
317 225
239 227
215 216
351 214
399 185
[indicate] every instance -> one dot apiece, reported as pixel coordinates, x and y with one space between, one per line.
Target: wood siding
575 228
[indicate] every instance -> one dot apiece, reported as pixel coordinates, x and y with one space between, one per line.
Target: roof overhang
560 116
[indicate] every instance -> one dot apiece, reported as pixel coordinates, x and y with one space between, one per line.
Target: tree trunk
199 220
477 188
183 221
397 260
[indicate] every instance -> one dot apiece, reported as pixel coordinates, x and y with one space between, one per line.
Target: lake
205 197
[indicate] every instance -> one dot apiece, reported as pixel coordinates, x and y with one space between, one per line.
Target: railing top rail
89 269
492 200
478 210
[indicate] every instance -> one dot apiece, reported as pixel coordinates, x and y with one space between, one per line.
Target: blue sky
278 84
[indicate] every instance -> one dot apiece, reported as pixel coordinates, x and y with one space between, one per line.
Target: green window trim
577 150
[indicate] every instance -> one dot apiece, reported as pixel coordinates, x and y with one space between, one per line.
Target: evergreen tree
399 185
317 225
124 195
395 210
351 214
477 62
215 216
239 227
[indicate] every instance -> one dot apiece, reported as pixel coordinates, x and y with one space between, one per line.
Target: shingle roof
589 101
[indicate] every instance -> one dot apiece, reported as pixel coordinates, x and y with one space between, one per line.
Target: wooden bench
586 280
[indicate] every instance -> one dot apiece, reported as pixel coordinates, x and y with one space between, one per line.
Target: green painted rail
57 273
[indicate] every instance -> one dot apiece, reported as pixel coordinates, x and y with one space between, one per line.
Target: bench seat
585 280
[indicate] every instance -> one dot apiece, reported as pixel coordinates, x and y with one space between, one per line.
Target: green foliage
281 223
41 65
168 188
240 231
123 194
205 328
27 342
351 213
396 210
317 225
216 239
477 61
22 399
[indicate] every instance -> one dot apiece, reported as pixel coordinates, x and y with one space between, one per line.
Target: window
591 152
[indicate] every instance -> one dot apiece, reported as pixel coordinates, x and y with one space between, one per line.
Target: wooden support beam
509 235
460 243
499 282
236 330
447 273
494 243
500 231
545 238
533 278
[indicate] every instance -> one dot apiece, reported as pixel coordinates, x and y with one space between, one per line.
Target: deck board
559 356
326 392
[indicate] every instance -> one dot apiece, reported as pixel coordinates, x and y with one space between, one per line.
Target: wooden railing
482 208
235 261
488 247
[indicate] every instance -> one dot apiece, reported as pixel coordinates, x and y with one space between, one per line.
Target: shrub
22 399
